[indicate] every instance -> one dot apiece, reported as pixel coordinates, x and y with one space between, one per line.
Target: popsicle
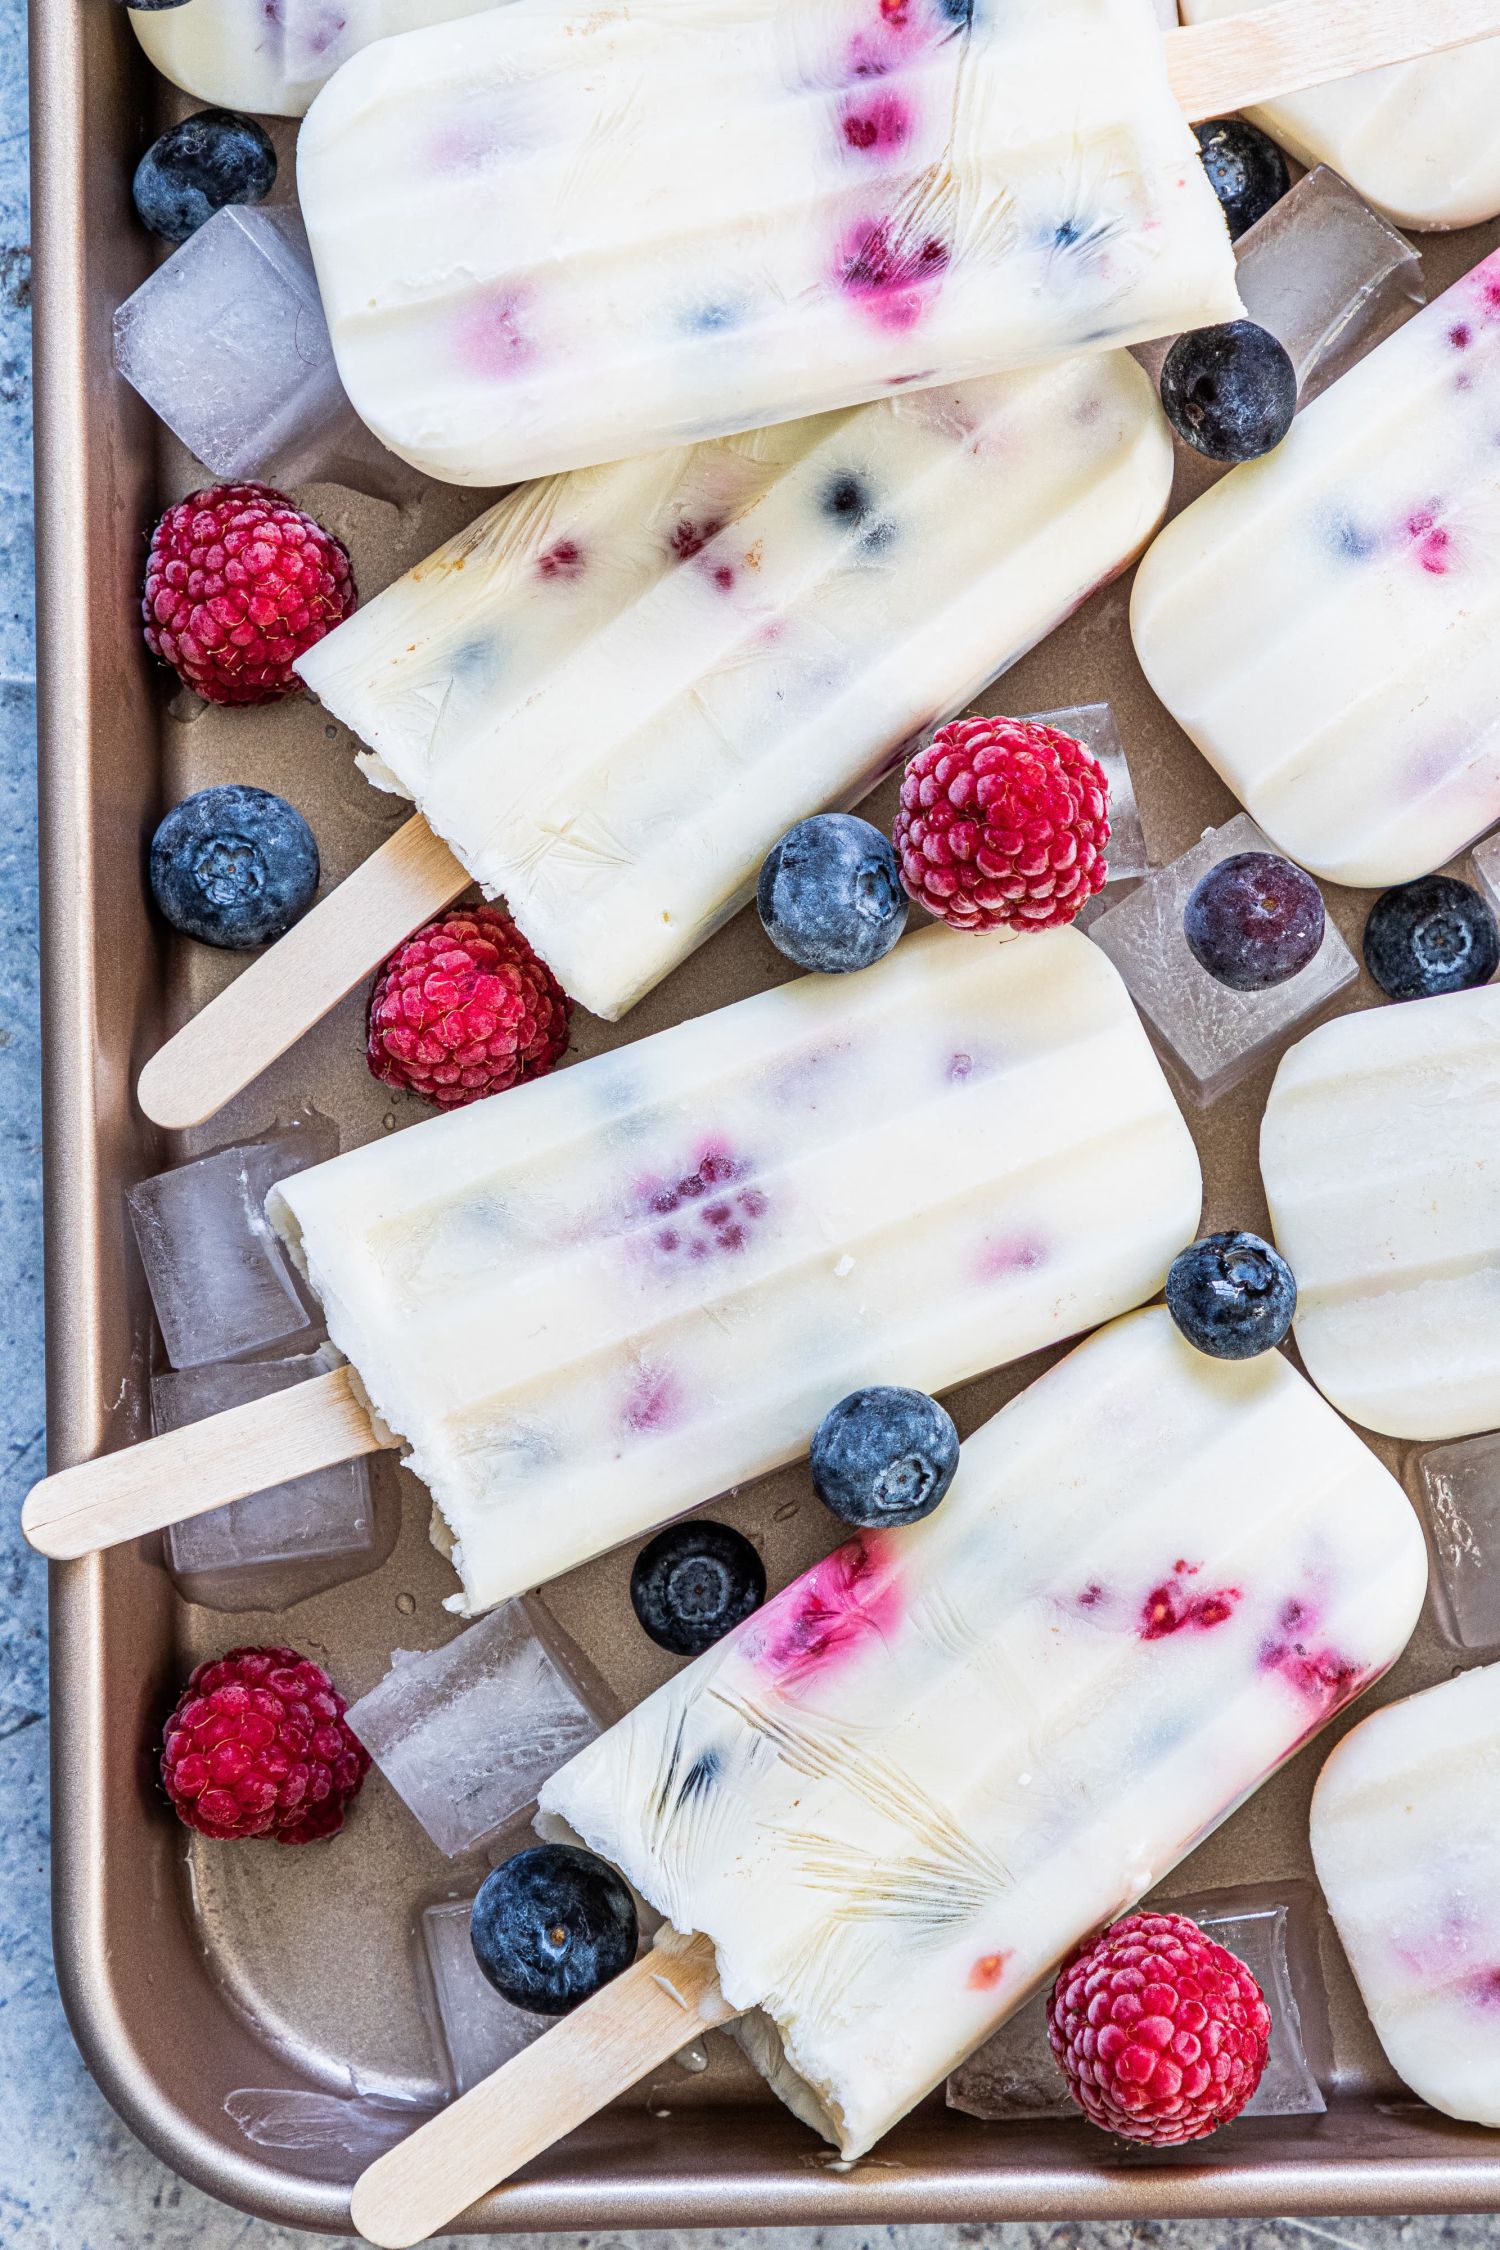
1322 622
1418 139
552 235
1403 1839
1377 1151
273 55
589 1303
615 691
899 1793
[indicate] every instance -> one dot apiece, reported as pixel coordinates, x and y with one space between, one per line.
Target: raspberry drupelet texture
258 1746
1003 825
1161 2033
465 1008
239 584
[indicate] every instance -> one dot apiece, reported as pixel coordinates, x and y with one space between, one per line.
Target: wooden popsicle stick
188 1471
567 2076
1240 60
296 981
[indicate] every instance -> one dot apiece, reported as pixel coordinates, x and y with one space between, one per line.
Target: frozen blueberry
830 894
234 866
214 158
884 1456
1254 921
551 1926
1245 168
693 1583
1434 935
1230 391
1232 1296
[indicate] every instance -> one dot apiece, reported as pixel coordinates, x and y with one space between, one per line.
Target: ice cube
1460 1487
1487 870
1212 1033
227 343
278 1546
1096 727
467 1733
474 2030
1328 277
222 1285
1015 2076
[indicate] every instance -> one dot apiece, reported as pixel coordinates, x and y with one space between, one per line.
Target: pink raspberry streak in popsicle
876 124
709 1210
565 559
891 274
653 1402
492 338
832 1612
1318 1672
1173 1607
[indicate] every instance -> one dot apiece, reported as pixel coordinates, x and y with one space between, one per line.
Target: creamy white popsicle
549 236
1325 622
274 55
596 1300
900 1792
1417 139
1378 1155
614 692
1404 1825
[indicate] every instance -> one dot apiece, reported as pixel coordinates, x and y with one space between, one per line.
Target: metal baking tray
251 2012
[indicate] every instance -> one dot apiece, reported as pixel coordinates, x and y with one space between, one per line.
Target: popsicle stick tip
425 2184
284 991
141 1488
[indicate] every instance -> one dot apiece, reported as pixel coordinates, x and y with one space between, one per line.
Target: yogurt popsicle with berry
549 236
897 1795
1403 1839
274 55
1416 139
1322 623
614 693
596 1300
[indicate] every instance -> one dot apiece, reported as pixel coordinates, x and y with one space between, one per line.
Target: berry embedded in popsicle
257 1745
465 1008
239 584
1003 825
1162 2034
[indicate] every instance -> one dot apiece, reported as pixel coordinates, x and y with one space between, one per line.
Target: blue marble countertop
71 2176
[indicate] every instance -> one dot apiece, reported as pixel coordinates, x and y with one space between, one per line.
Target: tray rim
674 2189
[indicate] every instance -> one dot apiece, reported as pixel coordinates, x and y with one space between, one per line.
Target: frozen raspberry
258 1746
465 1008
239 583
1002 825
1161 2034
